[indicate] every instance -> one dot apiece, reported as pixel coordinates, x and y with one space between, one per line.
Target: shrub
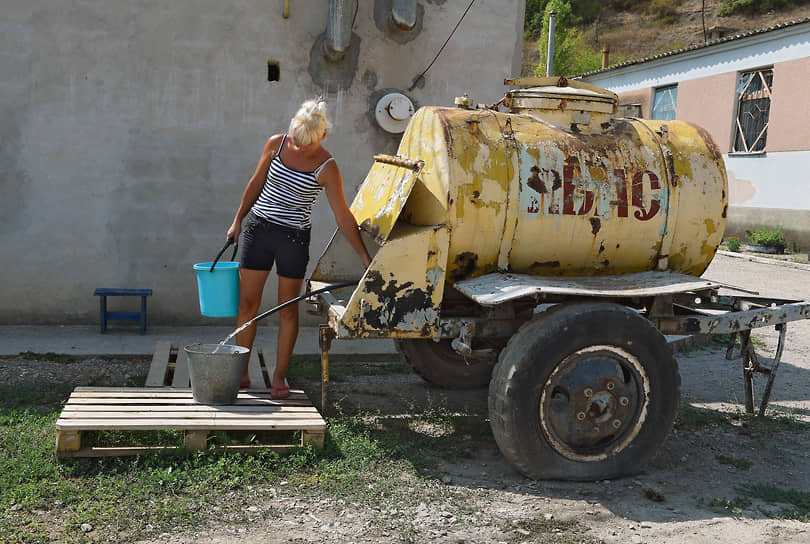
733 243
766 237
756 7
664 12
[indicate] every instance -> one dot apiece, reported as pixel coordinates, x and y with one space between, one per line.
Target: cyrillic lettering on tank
638 196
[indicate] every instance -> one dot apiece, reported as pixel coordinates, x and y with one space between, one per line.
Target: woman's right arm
254 186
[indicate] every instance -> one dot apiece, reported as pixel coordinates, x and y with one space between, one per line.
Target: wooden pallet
166 403
169 368
149 408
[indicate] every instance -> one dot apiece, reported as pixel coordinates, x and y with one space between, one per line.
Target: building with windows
749 90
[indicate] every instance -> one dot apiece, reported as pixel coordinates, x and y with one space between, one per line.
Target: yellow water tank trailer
556 186
541 250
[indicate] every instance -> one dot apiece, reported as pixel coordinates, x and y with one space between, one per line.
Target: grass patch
734 506
366 459
50 357
343 368
739 464
796 503
791 503
549 531
691 418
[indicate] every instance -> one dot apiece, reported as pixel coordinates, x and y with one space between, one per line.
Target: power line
422 75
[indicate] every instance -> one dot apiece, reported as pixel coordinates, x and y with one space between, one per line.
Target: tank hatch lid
497 288
559 93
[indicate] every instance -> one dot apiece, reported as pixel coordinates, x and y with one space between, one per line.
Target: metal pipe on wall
552 28
403 14
339 28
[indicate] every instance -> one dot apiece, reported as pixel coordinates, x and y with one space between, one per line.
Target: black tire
438 364
584 392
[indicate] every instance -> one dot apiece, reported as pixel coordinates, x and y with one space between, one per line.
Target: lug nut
624 401
617 423
581 416
610 386
588 392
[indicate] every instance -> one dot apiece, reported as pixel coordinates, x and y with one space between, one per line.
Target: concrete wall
130 129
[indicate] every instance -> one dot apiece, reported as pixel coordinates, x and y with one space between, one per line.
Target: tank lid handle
558 82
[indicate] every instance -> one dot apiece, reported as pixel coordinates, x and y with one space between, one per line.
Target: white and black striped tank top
288 194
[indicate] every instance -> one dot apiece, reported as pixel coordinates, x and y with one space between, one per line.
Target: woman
278 202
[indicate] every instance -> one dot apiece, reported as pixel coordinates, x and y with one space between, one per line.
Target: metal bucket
215 377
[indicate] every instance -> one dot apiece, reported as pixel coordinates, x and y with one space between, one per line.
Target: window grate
753 111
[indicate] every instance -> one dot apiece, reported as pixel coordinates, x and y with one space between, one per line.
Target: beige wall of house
708 102
789 129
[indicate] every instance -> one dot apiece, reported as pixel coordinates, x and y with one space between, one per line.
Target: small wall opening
273 70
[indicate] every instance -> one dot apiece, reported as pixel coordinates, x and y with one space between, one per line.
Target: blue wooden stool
104 292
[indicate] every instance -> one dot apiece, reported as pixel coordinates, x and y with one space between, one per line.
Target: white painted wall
772 180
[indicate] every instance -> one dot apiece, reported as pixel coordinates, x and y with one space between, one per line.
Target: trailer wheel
438 364
583 392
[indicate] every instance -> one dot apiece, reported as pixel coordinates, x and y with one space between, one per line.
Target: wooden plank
136 450
160 363
196 408
255 370
195 440
190 402
180 378
152 393
68 440
187 416
189 424
316 438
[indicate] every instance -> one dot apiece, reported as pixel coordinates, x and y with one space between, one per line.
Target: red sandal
244 384
280 392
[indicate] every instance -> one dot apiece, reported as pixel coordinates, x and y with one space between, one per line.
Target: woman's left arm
332 181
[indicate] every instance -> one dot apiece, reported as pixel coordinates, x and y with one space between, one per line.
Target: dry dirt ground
688 473
672 500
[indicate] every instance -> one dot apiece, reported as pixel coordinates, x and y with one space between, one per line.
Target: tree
571 55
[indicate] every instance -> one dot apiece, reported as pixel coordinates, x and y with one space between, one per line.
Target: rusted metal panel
400 293
383 194
734 321
494 289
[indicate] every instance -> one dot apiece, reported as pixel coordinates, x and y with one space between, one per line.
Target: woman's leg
251 286
288 289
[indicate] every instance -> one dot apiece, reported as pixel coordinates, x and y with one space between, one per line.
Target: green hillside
633 29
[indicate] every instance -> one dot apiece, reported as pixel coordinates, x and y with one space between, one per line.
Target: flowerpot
762 248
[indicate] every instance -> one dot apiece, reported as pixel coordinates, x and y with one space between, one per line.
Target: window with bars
664 103
753 108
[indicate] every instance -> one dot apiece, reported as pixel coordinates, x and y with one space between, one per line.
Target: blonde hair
309 123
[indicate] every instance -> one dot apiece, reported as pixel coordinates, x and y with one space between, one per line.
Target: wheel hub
594 402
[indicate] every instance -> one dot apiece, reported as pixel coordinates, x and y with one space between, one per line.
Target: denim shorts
264 243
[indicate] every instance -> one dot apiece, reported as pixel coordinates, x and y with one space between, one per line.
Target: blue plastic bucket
218 290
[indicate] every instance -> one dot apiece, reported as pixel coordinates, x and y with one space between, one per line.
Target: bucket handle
221 251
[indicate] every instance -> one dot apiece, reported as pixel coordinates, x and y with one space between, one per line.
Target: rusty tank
556 186
544 251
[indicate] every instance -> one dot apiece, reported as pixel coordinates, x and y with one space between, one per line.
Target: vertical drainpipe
339 28
552 28
403 14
